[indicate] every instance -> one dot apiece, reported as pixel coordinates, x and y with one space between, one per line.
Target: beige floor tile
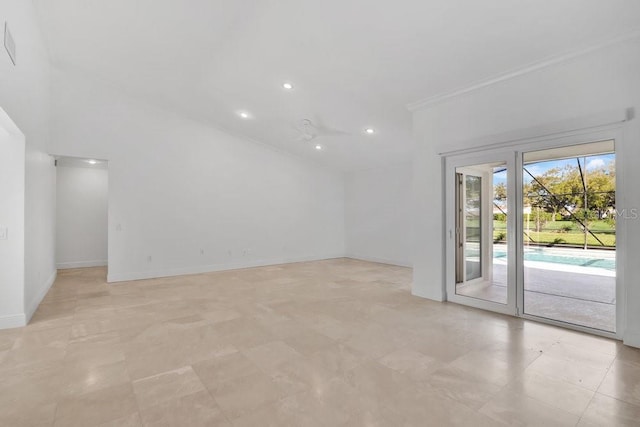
91 327
30 386
131 420
439 346
95 350
308 342
49 339
166 386
605 410
97 407
427 407
411 363
629 355
337 342
268 356
552 391
578 373
35 415
77 379
156 359
517 409
461 386
8 337
337 359
218 370
376 383
197 409
589 342
622 382
243 394
301 409
492 370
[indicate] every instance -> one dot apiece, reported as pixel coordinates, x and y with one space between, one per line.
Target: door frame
462 161
613 133
512 152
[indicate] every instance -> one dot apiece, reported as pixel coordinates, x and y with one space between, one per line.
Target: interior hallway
337 342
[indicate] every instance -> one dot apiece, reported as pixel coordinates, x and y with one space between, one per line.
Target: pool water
605 263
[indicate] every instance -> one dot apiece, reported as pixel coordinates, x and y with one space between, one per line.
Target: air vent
9 43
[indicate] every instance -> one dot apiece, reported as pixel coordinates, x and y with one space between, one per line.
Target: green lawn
552 233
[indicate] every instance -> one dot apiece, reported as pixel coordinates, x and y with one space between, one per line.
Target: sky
539 168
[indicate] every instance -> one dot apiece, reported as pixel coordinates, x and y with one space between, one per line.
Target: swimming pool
539 255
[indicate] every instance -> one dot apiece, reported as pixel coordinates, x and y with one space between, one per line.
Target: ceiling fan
308 130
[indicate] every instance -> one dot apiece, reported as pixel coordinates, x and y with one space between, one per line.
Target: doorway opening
81 212
481 262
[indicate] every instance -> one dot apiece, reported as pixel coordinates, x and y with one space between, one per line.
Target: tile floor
329 343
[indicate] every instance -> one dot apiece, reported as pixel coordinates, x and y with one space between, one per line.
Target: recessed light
92 162
318 147
244 114
287 85
369 131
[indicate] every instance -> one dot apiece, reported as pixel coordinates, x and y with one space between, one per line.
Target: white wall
378 213
25 96
185 197
12 162
604 80
81 206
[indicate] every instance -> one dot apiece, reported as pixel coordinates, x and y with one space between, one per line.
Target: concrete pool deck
584 296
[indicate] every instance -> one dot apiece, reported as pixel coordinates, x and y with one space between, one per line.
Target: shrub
556 241
499 237
565 228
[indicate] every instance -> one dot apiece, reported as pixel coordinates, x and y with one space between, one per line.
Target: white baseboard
380 260
33 305
154 274
631 339
434 296
13 321
81 264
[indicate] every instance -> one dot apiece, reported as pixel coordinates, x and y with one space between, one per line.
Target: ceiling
354 63
78 162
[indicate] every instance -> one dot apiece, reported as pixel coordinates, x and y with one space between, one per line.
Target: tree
585 193
500 192
544 192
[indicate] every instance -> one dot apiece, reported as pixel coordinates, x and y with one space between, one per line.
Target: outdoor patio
576 294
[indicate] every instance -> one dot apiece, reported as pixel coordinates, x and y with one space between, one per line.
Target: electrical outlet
4 233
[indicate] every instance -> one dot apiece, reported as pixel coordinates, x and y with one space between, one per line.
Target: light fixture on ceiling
318 147
244 114
92 162
369 131
287 85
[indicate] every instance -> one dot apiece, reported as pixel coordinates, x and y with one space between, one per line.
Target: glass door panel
481 244
473 227
569 235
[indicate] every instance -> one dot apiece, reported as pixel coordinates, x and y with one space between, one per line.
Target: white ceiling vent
9 43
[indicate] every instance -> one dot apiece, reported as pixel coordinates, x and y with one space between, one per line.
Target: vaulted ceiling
353 63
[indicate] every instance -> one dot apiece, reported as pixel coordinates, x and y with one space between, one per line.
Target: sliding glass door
532 232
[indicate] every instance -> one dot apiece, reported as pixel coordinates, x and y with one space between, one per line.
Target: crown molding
556 59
